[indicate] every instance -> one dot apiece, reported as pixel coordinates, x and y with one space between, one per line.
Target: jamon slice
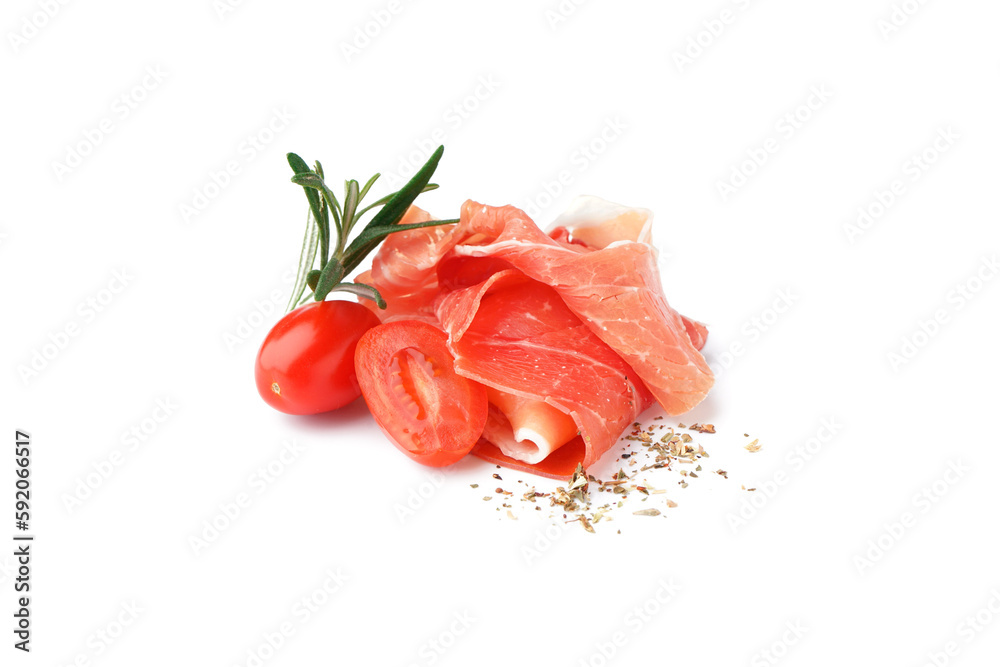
516 335
560 464
609 282
404 270
615 291
593 223
597 223
533 429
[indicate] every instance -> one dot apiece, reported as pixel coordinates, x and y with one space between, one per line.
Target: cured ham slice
560 464
566 327
597 223
615 291
534 428
516 335
405 269
594 224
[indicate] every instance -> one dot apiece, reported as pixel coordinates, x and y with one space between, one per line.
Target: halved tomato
407 376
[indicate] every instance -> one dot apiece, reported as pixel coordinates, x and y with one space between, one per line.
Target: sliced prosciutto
554 376
615 291
405 269
594 223
567 326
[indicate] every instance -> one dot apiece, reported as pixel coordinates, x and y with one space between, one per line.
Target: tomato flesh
306 362
407 376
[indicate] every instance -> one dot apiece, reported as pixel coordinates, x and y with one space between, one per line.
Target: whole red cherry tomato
306 363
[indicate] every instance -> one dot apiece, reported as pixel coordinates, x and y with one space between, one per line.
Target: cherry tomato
306 363
407 376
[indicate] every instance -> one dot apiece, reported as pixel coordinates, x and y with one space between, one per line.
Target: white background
815 552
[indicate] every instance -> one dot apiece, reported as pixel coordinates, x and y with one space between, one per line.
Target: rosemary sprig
337 257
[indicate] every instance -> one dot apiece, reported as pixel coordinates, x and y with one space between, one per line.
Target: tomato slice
407 376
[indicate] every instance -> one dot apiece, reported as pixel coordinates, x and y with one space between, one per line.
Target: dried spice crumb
753 446
580 498
579 479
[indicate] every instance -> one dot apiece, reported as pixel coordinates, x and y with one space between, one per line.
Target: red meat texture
583 327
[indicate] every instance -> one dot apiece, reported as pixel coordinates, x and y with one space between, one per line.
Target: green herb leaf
338 261
306 260
396 207
362 290
427 188
302 170
368 186
351 199
312 279
330 275
369 239
314 182
299 166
